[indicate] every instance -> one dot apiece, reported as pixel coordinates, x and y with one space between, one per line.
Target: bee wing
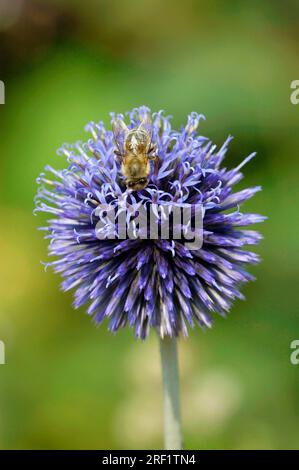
120 132
146 126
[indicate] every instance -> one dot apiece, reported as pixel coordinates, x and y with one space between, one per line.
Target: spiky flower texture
150 283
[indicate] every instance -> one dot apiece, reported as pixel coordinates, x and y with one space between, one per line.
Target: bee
135 151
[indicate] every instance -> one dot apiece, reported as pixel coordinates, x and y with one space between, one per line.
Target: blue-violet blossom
150 283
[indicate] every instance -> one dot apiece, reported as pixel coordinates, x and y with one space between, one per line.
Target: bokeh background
66 384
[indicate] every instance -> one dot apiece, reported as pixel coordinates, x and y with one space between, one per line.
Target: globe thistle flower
140 282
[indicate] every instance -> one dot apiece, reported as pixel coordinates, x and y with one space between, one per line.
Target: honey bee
135 150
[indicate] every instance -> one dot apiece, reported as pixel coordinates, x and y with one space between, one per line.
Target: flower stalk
171 394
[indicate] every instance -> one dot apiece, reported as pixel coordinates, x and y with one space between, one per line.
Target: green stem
171 396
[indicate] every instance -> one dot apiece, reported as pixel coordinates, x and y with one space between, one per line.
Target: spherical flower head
149 282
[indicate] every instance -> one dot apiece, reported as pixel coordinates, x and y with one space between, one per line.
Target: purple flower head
143 282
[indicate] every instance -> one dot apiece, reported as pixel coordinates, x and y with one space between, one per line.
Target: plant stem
170 375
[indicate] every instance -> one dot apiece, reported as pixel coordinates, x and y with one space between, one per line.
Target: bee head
137 185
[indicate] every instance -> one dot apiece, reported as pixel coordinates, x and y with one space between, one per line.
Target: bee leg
156 159
153 148
157 165
119 156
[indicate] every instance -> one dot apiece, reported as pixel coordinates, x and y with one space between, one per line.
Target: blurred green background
66 384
